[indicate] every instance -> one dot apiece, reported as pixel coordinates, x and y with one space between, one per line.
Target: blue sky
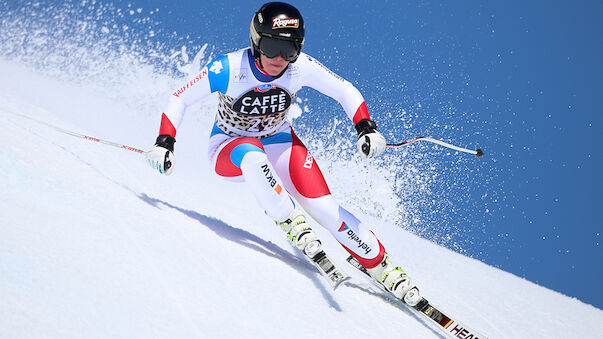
521 80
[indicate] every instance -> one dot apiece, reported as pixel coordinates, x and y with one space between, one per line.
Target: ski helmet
277 29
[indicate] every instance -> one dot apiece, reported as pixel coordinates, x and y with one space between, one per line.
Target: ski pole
77 135
478 152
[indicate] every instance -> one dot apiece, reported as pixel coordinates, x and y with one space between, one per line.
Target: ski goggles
288 49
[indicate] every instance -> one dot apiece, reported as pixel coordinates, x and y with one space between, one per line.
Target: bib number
258 124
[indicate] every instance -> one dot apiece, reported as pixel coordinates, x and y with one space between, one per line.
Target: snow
94 244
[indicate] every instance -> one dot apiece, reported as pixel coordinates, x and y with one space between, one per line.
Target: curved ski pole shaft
478 152
77 135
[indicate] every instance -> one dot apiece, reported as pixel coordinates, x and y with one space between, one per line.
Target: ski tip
479 153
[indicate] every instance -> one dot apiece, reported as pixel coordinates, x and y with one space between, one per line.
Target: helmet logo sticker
285 23
260 18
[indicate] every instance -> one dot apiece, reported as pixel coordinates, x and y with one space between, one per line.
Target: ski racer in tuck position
252 142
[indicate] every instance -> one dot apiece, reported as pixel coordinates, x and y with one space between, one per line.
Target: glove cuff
166 141
365 126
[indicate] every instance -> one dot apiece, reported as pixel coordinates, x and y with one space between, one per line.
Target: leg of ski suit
282 161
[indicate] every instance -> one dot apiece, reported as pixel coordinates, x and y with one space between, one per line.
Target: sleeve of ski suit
211 78
322 79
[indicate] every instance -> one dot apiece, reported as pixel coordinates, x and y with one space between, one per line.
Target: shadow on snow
389 299
253 242
296 262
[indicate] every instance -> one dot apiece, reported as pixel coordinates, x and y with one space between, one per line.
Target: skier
251 141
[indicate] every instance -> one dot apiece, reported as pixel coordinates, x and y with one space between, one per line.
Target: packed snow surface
94 244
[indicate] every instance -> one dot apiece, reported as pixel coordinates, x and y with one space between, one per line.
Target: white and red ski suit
252 141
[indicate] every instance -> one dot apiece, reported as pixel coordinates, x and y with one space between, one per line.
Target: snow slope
94 244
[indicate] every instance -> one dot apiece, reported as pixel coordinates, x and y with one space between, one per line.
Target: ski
451 327
327 268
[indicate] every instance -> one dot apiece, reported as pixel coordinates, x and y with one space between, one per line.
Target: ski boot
303 238
299 233
395 281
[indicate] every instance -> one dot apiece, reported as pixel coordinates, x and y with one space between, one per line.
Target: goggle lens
272 48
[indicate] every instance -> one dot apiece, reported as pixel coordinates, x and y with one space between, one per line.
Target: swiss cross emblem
216 67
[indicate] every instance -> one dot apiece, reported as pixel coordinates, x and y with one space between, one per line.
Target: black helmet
277 29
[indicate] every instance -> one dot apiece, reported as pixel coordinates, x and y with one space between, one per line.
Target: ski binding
333 274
